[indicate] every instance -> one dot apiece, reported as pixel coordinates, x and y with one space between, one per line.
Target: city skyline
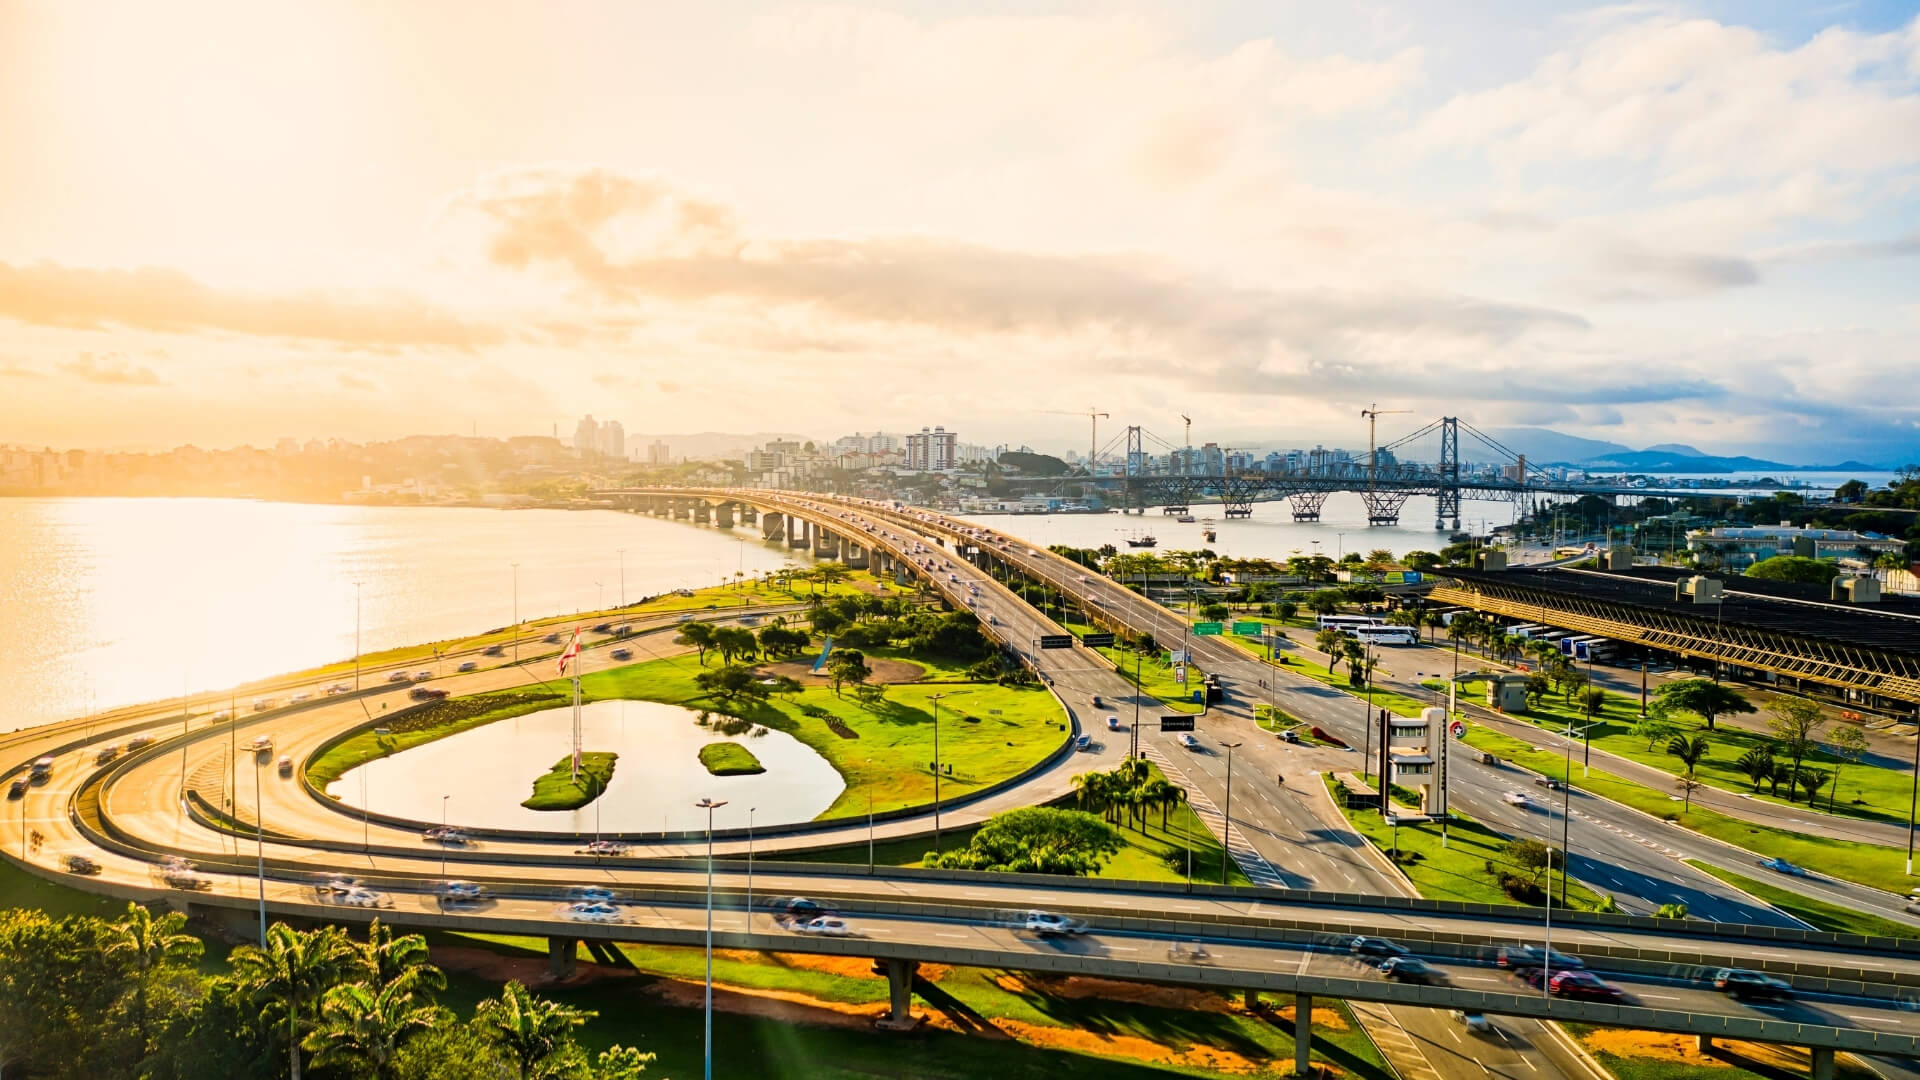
1562 216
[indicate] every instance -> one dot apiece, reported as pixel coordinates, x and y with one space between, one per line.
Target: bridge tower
1135 471
1447 503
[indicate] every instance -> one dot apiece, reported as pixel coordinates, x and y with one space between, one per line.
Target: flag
572 650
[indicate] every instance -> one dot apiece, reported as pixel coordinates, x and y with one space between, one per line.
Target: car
186 880
494 650
688 617
261 744
1113 723
624 629
604 847
284 765
446 834
1411 969
1782 866
301 696
1097 703
79 864
398 677
1517 798
551 639
262 704
591 911
139 742
1520 957
1547 782
1477 1023
825 926
335 885
593 893
798 909
469 665
1084 742
106 753
1376 946
17 789
1046 924
1584 985
1187 740
426 693
622 654
1742 983
1290 735
460 892
422 676
363 897
603 628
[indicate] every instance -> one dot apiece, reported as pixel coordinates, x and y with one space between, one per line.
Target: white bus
1348 623
1386 635
1595 649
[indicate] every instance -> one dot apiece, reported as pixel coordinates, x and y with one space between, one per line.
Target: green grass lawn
1866 864
730 759
987 734
1037 1011
1400 703
19 889
757 593
558 790
1459 870
1817 913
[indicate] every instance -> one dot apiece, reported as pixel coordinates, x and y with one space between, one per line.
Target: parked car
1742 983
1047 924
1411 969
1583 985
1376 946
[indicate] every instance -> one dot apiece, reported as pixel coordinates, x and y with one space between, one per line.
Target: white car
461 891
826 926
300 697
1189 741
591 911
422 676
1047 923
367 898
335 885
1517 798
604 847
469 665
399 676
261 744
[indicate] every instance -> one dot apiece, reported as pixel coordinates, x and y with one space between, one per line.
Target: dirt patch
1323 1019
1076 987
504 967
852 967
1659 1046
884 671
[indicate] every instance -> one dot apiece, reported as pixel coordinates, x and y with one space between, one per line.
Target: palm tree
362 1029
1355 655
1757 763
1087 788
290 973
389 959
1691 753
1328 641
150 946
529 1028
1176 797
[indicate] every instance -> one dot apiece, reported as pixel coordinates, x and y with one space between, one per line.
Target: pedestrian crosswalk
1251 862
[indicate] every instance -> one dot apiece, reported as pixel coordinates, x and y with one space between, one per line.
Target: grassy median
730 759
560 790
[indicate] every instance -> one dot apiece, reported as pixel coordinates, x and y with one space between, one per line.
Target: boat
1186 519
1142 541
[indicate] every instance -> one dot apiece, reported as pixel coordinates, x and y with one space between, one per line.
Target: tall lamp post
750 811
1226 836
623 577
356 635
259 847
516 612
443 836
709 805
936 762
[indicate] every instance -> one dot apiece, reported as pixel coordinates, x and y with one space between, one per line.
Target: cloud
110 369
1897 248
638 240
154 298
350 381
1637 273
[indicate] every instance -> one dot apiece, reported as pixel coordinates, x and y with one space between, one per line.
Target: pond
488 771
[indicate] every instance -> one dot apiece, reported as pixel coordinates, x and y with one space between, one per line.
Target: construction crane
1373 413
1093 438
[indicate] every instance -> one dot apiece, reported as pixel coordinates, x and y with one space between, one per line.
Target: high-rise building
612 440
657 453
586 437
933 451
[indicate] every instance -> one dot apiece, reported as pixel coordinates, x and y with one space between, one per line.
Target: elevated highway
130 815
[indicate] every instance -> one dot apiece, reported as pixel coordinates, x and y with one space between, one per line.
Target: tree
1655 727
390 958
1794 568
288 976
1811 781
536 1034
732 641
152 950
1355 655
1215 612
1594 701
1705 697
699 635
1848 744
362 1028
1758 764
1691 753
1329 641
1036 840
781 641
870 695
733 686
1532 856
1286 608
1795 722
1323 601
453 1052
847 666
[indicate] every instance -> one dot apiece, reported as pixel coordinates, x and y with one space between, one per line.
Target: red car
1584 985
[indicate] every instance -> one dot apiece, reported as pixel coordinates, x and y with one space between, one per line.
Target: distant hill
1542 445
1678 448
1666 461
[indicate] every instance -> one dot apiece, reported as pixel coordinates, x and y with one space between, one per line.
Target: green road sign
1207 629
1248 627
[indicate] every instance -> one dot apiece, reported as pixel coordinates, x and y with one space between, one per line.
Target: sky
1647 223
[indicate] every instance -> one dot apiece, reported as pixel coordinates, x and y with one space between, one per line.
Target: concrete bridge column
562 957
855 556
1302 1034
773 527
900 975
723 516
1821 1068
702 512
1703 1043
797 529
825 544
749 515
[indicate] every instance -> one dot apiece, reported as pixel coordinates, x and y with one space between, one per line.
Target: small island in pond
558 790
730 759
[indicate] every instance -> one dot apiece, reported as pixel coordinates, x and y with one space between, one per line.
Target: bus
1595 649
1348 623
1386 635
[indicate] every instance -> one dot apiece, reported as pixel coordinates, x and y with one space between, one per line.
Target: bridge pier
900 976
854 556
563 957
797 529
1307 504
773 527
1821 1066
702 513
723 516
749 515
1302 1034
826 545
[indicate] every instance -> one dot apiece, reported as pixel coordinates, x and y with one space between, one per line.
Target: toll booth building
1411 753
1507 693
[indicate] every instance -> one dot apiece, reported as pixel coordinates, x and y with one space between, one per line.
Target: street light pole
623 577
443 836
356 635
1134 751
936 771
1226 837
709 805
516 612
750 811
259 847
